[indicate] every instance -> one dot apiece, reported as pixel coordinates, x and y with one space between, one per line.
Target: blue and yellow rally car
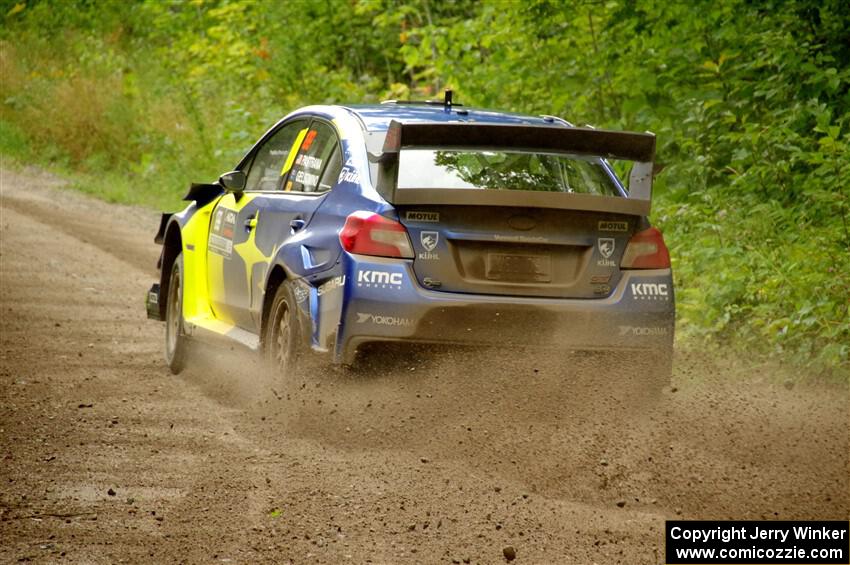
420 222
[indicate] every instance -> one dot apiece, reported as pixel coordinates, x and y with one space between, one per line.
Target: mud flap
152 303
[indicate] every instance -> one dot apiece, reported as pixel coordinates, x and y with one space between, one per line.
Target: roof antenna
447 101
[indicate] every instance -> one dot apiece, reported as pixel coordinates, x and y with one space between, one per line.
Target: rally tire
176 342
281 332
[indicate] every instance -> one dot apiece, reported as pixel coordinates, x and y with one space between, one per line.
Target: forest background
750 102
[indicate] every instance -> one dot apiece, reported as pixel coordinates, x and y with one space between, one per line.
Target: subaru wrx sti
421 223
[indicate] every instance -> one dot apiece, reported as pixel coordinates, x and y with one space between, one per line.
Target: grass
14 143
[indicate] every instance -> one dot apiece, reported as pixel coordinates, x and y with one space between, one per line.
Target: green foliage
750 102
13 142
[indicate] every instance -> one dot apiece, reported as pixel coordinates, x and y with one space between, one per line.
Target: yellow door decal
252 255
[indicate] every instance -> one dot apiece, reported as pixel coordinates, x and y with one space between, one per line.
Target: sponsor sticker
333 284
606 246
348 174
429 239
221 246
378 320
521 238
301 292
644 330
418 216
650 291
379 279
606 225
221 235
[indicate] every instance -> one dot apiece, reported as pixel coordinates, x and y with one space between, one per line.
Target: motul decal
613 226
415 216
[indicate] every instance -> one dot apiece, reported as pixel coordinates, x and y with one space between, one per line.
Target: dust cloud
418 455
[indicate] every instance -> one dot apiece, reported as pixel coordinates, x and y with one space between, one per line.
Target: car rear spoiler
630 146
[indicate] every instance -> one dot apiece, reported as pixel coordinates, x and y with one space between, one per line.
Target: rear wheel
176 342
281 339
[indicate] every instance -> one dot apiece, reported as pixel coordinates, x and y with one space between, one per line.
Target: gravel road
428 457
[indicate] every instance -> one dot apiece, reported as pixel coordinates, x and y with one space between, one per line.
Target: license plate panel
512 267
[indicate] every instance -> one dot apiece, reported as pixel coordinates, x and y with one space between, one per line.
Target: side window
331 174
271 157
318 162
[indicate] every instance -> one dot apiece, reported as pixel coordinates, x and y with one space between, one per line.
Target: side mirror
234 181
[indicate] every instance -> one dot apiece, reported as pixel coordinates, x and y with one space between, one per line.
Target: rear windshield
504 170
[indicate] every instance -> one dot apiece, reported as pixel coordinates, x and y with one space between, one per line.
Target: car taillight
368 233
646 250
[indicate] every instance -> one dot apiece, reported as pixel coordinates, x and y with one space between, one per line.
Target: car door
230 253
287 181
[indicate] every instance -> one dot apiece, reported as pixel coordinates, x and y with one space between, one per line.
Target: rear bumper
384 302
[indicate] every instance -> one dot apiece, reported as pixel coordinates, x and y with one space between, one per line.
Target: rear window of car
504 170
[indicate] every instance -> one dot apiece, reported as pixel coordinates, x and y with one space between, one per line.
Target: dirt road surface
432 457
